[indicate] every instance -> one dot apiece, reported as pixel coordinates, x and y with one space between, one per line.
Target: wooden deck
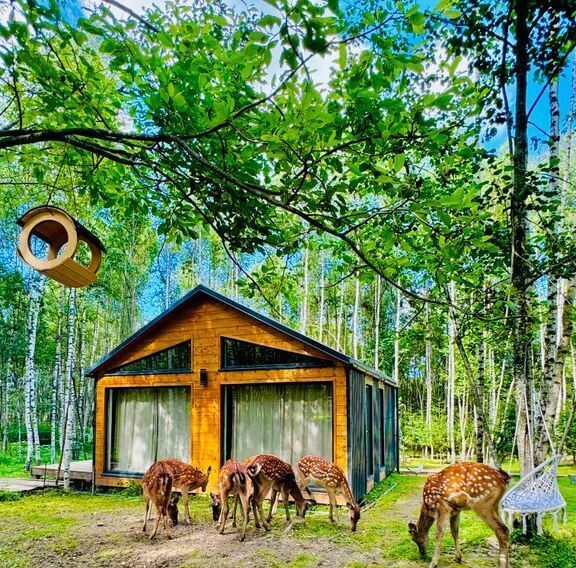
79 471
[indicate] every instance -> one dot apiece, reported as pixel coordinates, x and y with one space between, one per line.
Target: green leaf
399 160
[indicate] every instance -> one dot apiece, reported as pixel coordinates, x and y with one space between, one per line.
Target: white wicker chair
537 493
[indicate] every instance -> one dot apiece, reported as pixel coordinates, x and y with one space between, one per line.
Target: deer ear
209 470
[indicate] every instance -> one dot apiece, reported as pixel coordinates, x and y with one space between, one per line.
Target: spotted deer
324 473
186 479
157 486
270 473
461 487
232 480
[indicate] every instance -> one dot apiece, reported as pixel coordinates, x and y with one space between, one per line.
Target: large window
172 360
146 424
288 420
238 355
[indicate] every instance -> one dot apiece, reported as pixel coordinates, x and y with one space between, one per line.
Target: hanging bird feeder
63 235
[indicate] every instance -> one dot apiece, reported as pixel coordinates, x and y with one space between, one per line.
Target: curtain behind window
147 424
290 421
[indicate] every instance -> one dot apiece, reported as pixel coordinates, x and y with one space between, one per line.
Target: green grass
45 527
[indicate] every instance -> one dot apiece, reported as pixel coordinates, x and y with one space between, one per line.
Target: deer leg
258 506
167 526
286 501
235 506
184 493
493 520
272 504
454 526
224 513
442 521
159 512
333 503
245 511
146 514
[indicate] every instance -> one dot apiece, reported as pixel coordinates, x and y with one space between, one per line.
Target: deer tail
254 469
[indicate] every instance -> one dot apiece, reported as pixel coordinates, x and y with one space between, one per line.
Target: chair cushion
532 501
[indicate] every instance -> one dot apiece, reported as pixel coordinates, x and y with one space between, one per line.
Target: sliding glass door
146 424
288 420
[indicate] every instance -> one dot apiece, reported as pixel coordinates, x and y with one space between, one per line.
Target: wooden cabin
210 378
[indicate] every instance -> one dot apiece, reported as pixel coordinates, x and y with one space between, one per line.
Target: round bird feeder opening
62 234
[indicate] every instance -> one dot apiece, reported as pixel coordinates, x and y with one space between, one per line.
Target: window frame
118 370
107 434
322 363
226 417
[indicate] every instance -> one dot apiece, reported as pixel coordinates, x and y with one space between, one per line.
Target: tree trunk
377 302
451 374
355 317
304 304
70 395
30 411
479 404
55 389
396 367
321 307
518 218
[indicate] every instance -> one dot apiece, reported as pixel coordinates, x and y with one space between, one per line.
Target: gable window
176 359
239 355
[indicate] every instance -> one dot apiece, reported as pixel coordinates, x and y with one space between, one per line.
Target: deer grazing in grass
157 486
269 472
323 473
186 479
460 487
232 480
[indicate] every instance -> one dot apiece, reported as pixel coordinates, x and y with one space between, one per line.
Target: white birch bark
377 303
397 320
305 285
321 307
355 317
70 395
451 374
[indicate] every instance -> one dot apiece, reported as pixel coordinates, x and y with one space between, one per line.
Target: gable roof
202 291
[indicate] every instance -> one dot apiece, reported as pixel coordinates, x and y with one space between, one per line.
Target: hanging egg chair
63 235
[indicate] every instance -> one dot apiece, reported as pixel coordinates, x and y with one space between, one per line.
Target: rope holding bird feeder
63 234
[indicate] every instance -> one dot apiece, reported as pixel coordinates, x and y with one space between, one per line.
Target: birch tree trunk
355 315
70 394
377 302
451 374
396 367
321 307
305 286
57 378
559 326
30 417
480 402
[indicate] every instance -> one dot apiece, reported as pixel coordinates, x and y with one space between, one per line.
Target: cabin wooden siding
204 323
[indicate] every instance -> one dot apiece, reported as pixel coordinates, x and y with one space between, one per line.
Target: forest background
368 174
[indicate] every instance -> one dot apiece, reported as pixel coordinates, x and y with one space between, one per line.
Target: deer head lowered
269 472
324 473
157 488
186 478
461 487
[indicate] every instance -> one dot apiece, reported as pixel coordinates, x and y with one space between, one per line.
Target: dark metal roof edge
204 290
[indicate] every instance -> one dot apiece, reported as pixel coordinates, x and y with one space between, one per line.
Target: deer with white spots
269 472
232 480
186 479
157 488
324 473
461 487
